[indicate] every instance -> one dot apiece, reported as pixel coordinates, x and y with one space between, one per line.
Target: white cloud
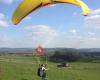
93 21
42 34
73 31
95 12
46 36
93 17
89 42
6 1
3 22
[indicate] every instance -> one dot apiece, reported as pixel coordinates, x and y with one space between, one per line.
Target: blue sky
61 25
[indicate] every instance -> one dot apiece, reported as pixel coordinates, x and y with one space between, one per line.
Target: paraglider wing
28 6
86 10
25 8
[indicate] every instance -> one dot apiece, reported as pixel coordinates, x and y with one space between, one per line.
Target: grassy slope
24 68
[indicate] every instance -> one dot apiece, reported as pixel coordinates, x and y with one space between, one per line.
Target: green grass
24 68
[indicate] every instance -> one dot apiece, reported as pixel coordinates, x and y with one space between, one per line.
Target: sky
56 26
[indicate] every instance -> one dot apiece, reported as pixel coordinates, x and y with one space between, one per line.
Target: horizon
45 48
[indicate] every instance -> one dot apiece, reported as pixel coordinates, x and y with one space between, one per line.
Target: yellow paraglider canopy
28 6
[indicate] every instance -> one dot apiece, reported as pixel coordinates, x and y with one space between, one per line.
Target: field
25 68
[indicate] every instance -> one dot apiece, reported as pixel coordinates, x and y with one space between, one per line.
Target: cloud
49 37
3 22
93 21
73 31
89 42
95 12
6 1
42 34
46 36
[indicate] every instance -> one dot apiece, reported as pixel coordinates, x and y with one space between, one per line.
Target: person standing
42 71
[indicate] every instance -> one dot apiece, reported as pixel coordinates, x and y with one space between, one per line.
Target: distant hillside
31 50
95 51
90 50
16 50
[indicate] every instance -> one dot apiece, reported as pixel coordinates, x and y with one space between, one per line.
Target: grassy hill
25 68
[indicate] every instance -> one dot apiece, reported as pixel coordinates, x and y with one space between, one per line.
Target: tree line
74 55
